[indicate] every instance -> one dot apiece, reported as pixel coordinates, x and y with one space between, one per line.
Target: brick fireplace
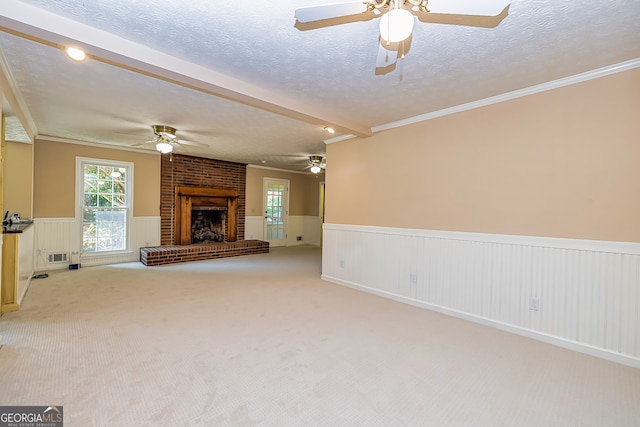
188 181
180 171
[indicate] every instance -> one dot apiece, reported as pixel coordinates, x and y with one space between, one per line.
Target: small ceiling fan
397 17
316 164
165 139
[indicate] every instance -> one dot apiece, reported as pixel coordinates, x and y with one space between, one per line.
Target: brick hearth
159 255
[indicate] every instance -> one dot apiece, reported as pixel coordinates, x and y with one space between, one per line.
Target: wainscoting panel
55 236
306 226
62 235
145 231
25 261
582 295
254 227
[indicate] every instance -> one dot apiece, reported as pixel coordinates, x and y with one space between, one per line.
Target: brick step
159 255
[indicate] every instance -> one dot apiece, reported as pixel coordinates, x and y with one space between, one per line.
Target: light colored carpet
261 340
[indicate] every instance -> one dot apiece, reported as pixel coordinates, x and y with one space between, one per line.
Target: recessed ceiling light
329 129
76 54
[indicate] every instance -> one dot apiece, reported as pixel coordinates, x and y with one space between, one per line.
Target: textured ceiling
321 75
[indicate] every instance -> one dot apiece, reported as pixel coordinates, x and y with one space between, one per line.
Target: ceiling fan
316 164
397 17
165 139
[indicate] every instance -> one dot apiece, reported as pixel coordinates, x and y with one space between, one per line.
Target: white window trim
80 162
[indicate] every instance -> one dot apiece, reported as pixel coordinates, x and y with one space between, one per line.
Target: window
105 204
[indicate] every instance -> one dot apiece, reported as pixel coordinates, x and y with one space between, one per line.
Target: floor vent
59 257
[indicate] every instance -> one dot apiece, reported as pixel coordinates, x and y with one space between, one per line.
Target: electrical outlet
413 278
341 262
534 303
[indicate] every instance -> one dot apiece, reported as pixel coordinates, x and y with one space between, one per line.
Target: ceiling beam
10 92
42 26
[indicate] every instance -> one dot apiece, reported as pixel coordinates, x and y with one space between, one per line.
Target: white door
276 211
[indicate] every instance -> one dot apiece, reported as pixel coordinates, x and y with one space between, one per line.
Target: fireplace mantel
187 197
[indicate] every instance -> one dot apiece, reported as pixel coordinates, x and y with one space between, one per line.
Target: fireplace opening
208 224
191 200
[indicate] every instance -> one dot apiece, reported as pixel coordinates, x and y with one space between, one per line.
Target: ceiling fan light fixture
316 163
164 147
396 25
166 132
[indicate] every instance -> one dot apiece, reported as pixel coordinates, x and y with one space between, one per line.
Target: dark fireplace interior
208 224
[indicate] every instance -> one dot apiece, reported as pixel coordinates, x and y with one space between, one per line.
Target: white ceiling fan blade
193 144
468 7
387 55
152 141
328 11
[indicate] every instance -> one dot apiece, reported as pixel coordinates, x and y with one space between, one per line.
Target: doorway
276 211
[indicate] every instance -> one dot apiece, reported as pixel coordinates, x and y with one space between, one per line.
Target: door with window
276 211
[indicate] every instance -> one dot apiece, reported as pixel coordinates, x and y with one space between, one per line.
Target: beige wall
562 163
18 178
304 191
54 178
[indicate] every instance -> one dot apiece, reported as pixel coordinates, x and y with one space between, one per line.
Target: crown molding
554 84
339 138
50 138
